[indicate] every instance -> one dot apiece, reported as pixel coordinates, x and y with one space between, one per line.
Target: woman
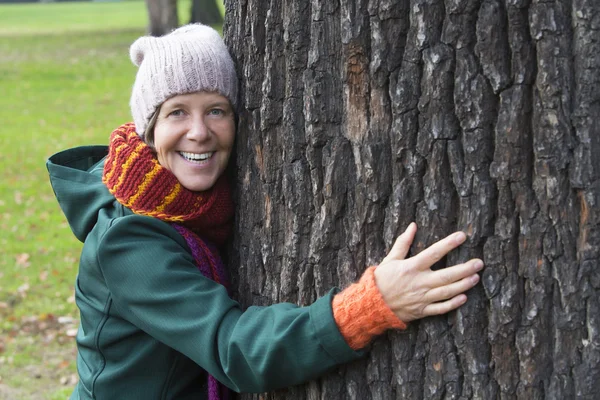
156 318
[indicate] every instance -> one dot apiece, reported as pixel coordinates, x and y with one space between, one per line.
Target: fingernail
460 237
478 265
475 279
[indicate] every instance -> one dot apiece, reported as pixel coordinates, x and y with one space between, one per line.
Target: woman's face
193 138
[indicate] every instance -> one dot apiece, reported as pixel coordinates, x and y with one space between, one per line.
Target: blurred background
65 80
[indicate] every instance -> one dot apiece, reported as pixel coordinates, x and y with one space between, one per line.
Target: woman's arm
155 285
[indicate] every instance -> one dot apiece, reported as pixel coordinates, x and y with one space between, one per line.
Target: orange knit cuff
361 313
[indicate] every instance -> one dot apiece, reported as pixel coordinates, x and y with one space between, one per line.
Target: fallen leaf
69 259
50 336
23 288
70 380
30 319
23 260
47 317
43 275
73 379
65 320
71 332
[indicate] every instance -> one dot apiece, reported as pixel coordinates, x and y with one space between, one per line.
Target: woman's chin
198 184
197 187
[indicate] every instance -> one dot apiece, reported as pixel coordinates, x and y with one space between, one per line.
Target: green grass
65 80
58 18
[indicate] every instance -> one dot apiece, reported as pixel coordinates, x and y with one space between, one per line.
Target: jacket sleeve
155 285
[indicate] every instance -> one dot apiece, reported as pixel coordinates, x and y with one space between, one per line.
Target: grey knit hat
190 59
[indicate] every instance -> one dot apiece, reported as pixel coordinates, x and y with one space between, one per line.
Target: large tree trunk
206 12
162 16
360 116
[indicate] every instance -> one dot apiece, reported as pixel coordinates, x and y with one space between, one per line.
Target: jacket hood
76 178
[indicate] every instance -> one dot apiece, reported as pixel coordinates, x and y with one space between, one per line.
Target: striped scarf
136 179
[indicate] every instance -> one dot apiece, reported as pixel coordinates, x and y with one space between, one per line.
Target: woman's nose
198 130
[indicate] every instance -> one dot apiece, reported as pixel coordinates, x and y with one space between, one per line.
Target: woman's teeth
195 157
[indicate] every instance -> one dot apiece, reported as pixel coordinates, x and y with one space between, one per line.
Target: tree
162 16
206 12
360 116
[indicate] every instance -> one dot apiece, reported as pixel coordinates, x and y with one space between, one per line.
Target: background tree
162 16
206 12
359 116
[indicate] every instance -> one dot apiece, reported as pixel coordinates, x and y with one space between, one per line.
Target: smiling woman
154 210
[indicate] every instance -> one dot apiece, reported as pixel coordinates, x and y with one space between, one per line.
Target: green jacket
152 324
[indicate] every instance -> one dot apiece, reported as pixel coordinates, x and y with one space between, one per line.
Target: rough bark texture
359 116
206 12
162 16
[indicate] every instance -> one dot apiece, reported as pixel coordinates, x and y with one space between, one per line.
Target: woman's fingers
438 250
444 306
453 289
412 290
402 244
451 283
455 273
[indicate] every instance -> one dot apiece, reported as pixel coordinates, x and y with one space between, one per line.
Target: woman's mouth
197 158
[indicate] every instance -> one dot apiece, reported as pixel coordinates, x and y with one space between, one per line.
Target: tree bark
162 16
206 12
360 116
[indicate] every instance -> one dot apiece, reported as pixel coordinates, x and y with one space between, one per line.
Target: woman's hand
412 290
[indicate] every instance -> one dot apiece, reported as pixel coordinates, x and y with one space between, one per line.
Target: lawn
65 80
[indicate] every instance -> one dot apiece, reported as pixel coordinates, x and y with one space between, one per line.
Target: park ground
65 80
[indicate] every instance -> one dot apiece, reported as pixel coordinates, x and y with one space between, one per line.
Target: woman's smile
197 158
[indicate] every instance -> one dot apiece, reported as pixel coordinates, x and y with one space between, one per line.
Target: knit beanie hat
190 59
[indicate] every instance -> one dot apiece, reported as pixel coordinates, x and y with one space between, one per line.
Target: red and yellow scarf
136 179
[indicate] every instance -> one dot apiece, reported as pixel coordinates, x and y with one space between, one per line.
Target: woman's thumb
402 245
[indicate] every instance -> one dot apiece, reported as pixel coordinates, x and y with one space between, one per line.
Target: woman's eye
216 111
176 113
